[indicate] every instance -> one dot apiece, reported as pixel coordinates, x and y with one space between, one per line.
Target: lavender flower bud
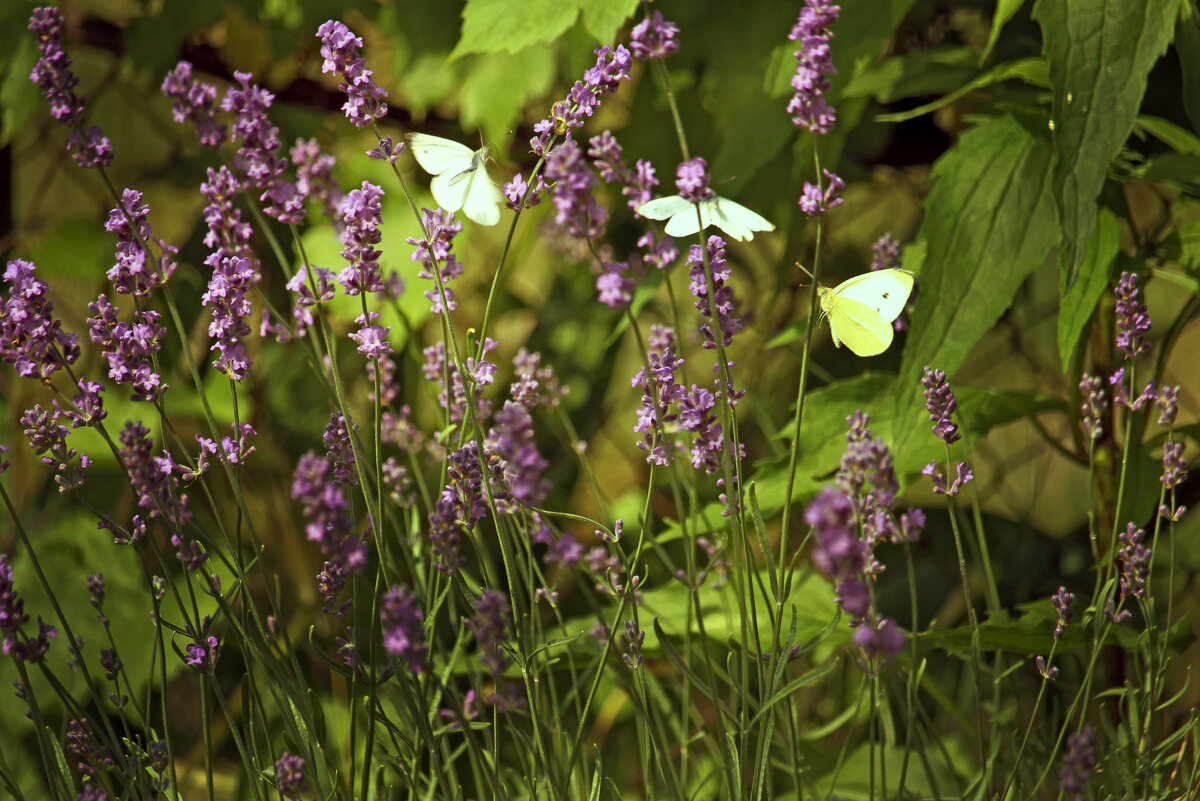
941 404
1133 322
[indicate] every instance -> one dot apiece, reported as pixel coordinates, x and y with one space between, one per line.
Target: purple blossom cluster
337 441
52 74
720 309
135 271
867 476
886 252
517 195
465 488
339 49
511 438
653 37
1062 601
361 214
436 255
571 179
1134 557
535 385
661 393
158 492
1094 406
129 347
490 624
603 79
48 439
814 66
692 180
941 405
195 102
31 339
314 175
1078 763
17 643
289 775
228 234
815 201
437 369
327 512
845 558
229 286
257 160
401 619
1133 321
637 183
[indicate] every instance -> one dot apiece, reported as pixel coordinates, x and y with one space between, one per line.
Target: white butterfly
861 309
733 218
460 179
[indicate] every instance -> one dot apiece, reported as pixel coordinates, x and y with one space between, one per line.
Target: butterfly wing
883 291
482 198
675 210
437 155
736 220
861 328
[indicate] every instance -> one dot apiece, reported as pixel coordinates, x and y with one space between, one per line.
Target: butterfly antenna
806 272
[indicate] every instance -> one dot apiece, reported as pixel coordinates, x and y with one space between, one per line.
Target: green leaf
1179 139
1033 71
1187 44
920 72
1100 53
603 18
1005 9
1076 303
498 85
989 222
490 26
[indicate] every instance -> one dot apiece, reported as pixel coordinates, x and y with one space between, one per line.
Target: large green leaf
1100 52
1031 70
1187 44
989 222
1077 302
491 26
603 18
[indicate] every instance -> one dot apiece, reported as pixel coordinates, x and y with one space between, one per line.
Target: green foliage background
1025 154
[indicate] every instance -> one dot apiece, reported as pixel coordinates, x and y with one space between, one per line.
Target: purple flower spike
839 554
289 775
691 178
364 99
653 37
489 625
361 213
31 339
1077 764
1062 601
136 272
52 73
814 66
195 102
1133 322
403 633
940 401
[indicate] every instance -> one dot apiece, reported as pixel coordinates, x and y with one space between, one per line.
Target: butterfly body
460 178
861 309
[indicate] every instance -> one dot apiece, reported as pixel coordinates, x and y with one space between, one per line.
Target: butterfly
460 179
861 309
733 218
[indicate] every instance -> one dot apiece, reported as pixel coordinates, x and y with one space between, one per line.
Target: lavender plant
317 490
